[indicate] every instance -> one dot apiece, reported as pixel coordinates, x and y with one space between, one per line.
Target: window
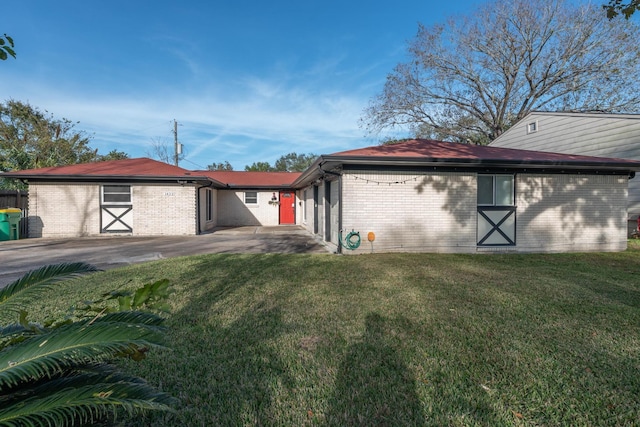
116 194
251 197
495 190
532 127
209 195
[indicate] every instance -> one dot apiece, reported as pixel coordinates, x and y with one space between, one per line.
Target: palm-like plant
61 375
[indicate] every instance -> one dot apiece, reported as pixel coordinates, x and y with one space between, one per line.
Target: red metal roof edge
430 150
414 151
141 166
422 152
153 170
253 178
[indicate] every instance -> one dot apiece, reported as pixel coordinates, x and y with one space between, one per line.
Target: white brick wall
411 212
64 210
408 211
163 209
73 210
437 212
571 213
232 211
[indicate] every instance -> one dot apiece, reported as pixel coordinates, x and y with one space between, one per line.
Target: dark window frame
109 194
495 200
209 204
250 197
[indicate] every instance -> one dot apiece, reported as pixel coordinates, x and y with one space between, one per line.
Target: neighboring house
414 196
432 196
588 134
146 197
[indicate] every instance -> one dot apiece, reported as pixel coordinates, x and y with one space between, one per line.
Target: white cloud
257 120
242 118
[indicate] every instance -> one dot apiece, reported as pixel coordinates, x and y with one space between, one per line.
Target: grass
393 339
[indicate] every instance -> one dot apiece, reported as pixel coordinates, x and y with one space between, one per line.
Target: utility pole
176 145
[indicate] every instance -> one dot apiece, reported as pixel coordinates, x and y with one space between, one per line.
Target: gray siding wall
584 134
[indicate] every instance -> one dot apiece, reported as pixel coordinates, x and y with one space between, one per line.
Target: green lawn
393 339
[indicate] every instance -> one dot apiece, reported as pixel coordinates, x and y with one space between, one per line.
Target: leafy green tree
294 162
31 139
472 78
113 155
259 167
6 47
61 373
226 166
617 7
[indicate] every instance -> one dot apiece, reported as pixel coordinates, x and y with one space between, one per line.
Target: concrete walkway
20 256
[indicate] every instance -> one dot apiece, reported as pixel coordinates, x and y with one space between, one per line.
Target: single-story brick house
432 196
417 195
146 197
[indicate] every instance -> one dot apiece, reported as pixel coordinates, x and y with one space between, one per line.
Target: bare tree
471 79
163 150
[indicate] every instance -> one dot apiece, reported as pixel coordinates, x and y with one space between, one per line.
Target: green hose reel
351 241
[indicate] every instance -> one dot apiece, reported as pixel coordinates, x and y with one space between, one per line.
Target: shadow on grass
374 386
225 334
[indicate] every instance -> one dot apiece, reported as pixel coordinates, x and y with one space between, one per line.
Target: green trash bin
10 223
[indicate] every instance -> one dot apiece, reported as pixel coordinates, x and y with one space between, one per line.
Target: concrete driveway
20 256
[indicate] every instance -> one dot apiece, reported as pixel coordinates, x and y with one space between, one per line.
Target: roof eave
325 163
428 161
259 187
106 178
310 174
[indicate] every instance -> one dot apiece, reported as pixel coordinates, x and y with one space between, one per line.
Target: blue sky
246 80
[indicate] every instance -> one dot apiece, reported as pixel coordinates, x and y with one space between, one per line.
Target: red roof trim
416 152
252 179
139 167
148 169
448 151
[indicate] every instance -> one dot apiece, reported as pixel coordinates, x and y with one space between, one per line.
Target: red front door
287 207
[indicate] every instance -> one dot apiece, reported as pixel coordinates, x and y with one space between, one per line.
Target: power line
194 164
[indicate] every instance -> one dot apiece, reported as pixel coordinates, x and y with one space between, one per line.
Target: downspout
339 213
198 229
